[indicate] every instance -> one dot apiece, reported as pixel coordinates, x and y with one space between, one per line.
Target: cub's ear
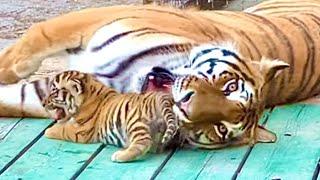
270 68
264 136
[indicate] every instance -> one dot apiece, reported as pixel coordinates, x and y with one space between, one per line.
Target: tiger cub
88 112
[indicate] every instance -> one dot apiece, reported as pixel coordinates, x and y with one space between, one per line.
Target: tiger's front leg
133 152
56 35
67 131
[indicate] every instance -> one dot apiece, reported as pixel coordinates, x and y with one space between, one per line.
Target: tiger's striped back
284 7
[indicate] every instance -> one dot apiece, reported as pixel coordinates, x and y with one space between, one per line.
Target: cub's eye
222 128
187 97
231 87
53 88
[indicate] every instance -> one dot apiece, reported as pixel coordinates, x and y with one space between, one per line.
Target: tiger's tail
169 117
24 99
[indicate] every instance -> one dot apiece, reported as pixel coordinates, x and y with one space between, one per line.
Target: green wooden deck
26 154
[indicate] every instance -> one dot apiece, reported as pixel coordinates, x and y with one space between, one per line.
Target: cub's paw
121 156
50 133
166 138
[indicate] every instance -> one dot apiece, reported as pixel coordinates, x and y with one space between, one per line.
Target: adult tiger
125 42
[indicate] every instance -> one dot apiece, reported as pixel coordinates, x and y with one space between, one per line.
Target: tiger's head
221 99
69 92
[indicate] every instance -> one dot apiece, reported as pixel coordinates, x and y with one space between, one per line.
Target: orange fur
87 111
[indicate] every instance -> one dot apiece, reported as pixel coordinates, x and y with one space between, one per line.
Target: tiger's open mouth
159 79
59 114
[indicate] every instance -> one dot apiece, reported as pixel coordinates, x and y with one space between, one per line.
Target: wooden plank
295 154
24 132
103 168
205 164
6 125
50 159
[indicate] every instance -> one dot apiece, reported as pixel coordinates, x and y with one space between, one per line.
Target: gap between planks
25 149
11 128
248 152
316 171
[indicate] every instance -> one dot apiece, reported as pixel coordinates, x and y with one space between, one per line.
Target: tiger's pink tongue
152 86
59 114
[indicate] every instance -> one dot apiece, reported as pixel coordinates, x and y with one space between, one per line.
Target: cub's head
68 90
221 100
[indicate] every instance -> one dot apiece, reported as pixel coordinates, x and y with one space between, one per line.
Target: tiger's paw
50 133
166 138
121 156
8 76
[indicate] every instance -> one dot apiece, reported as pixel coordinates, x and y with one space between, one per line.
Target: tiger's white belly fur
125 44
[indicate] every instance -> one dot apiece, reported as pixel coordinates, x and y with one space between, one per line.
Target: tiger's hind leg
24 100
140 144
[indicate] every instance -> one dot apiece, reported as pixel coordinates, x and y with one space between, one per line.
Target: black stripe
22 95
256 50
136 135
287 8
212 25
187 18
162 49
310 59
285 40
225 54
268 41
234 66
117 37
311 53
201 53
39 91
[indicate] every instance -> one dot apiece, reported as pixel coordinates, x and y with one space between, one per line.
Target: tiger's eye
232 87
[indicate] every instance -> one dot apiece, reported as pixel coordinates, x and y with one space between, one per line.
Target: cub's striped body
87 111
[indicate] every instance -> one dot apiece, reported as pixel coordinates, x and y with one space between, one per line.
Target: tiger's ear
270 68
263 135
